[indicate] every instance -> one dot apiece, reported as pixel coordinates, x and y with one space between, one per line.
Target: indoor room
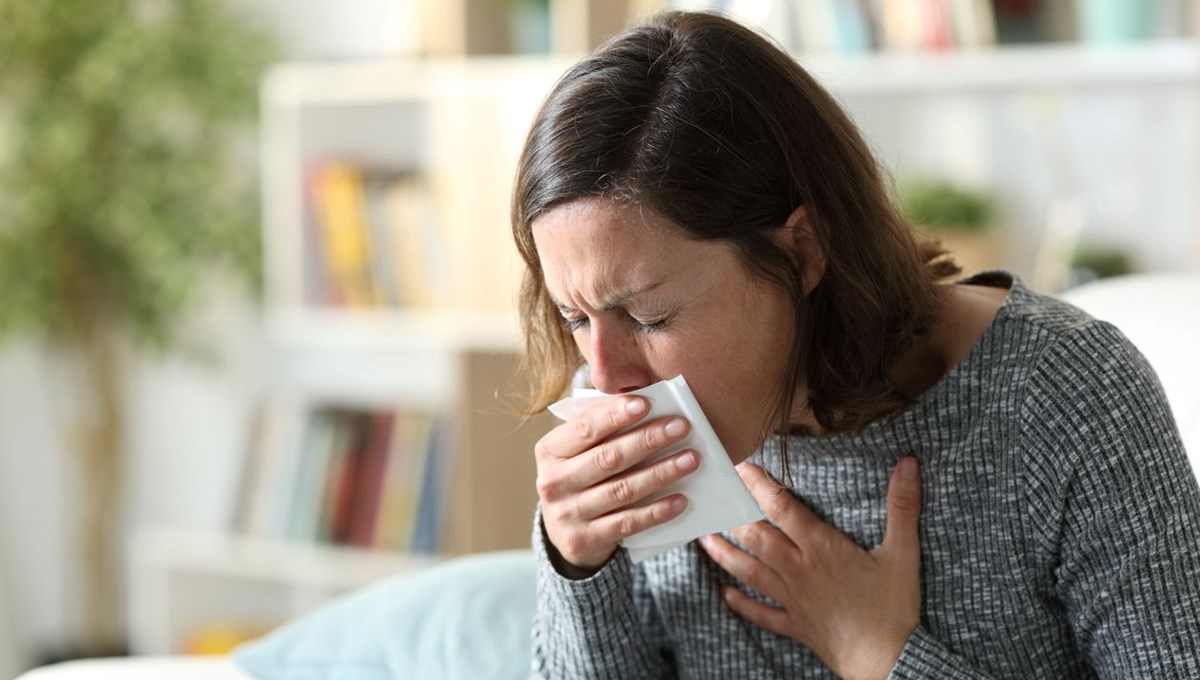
279 326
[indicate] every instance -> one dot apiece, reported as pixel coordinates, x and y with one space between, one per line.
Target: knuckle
664 472
907 504
540 450
780 502
756 577
616 416
628 524
573 543
651 438
621 491
558 513
608 457
584 429
547 487
751 537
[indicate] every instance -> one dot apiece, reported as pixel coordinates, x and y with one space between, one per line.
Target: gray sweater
1060 532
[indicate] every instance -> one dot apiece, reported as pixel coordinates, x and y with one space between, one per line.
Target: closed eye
649 326
573 324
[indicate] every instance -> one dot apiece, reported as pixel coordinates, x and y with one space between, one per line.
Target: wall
187 426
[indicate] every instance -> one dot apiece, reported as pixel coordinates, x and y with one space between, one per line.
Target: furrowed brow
613 302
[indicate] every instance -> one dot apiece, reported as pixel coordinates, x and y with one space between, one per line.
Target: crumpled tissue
717 498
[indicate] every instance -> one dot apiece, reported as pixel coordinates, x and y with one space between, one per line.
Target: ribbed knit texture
1060 530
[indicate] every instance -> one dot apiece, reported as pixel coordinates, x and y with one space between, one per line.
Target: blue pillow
466 618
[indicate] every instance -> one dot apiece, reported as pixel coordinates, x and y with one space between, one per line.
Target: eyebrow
612 302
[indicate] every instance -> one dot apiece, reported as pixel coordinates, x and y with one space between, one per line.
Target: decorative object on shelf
960 218
1113 22
1091 263
117 200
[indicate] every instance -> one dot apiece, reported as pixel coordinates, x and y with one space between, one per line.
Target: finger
635 486
617 526
624 451
597 423
744 567
902 536
778 503
768 544
760 614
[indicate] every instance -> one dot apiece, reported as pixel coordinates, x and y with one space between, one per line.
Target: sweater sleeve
604 626
1114 507
923 658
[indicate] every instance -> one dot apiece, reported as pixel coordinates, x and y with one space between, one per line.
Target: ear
807 249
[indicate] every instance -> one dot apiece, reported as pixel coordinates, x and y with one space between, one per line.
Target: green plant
1101 263
118 197
942 206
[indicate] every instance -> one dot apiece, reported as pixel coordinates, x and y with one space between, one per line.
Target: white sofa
142 668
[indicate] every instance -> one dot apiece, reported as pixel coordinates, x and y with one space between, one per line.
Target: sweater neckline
942 403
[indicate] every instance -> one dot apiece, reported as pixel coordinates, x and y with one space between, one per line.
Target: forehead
593 245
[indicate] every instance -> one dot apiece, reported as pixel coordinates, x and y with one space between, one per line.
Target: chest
979 590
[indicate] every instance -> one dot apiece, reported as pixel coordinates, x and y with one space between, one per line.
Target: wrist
565 567
877 662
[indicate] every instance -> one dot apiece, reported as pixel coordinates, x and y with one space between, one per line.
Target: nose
618 363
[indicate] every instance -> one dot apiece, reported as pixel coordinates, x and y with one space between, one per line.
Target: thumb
902 537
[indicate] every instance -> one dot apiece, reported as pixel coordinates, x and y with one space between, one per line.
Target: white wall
187 426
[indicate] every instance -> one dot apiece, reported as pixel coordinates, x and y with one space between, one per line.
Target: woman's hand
854 609
590 488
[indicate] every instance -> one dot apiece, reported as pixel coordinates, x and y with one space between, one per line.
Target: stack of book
856 26
372 479
374 238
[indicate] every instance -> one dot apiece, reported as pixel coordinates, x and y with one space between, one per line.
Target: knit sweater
1060 529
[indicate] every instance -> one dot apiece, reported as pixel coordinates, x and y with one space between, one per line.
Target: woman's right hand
589 488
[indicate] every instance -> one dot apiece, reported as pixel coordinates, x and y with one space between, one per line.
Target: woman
980 481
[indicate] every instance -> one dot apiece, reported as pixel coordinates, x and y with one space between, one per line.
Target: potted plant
960 218
118 197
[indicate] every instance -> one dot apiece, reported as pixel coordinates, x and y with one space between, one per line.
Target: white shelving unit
461 123
180 580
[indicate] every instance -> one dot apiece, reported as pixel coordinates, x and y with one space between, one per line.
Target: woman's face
646 303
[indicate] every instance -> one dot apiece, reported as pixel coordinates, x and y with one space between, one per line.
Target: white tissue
717 498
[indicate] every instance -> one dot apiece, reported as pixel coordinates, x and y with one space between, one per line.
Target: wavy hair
711 125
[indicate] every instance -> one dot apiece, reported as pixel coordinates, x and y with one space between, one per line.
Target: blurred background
257 292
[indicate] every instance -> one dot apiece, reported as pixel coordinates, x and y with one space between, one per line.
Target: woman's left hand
853 608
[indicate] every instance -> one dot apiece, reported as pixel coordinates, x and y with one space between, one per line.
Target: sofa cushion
466 618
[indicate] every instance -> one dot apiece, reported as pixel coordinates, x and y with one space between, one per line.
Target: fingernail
677 503
676 427
908 468
686 462
635 405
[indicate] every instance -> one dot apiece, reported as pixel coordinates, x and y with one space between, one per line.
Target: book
338 197
344 479
304 515
416 255
368 493
435 488
384 273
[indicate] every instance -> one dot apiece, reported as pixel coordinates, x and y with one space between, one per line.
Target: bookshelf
456 128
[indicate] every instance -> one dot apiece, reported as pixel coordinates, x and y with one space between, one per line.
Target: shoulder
1063 351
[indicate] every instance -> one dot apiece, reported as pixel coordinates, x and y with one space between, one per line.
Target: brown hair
712 126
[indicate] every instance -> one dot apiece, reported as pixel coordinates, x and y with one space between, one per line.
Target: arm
603 626
1114 507
593 618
